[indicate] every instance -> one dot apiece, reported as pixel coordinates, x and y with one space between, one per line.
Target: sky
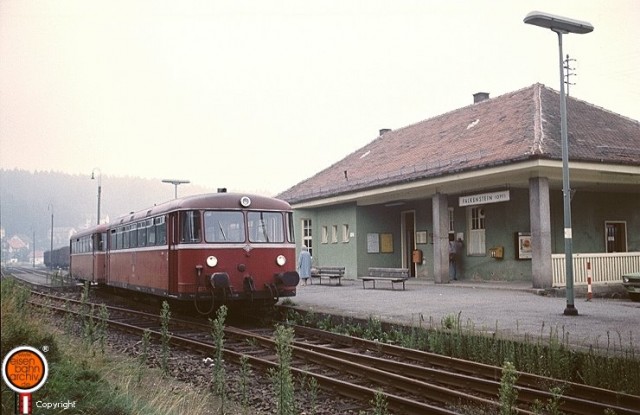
258 95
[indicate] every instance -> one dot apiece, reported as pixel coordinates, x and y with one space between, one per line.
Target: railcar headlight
212 261
625 279
281 260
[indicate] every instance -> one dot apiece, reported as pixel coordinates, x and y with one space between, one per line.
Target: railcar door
173 239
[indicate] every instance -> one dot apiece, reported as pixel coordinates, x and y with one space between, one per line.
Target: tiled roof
517 126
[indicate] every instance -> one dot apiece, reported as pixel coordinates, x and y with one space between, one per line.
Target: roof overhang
584 176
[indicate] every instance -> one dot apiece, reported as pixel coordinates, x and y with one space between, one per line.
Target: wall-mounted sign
523 245
386 242
484 198
373 243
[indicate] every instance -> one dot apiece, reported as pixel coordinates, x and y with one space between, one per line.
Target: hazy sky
257 95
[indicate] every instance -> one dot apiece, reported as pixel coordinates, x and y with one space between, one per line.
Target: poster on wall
523 245
373 243
386 242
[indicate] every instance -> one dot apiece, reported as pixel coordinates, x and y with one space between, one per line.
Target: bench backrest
331 270
389 272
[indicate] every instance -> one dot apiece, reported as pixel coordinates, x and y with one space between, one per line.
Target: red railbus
88 252
221 247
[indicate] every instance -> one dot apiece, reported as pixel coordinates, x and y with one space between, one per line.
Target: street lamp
50 207
563 25
99 187
175 183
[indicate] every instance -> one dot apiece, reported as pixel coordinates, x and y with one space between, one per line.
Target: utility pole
568 73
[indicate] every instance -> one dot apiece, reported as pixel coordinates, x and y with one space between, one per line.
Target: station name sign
484 198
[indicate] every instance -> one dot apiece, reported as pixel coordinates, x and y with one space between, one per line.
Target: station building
488 177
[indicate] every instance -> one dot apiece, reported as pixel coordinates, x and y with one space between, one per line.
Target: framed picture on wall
523 245
421 237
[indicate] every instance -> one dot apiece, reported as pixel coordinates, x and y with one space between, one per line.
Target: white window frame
307 234
476 224
345 232
334 234
325 234
452 228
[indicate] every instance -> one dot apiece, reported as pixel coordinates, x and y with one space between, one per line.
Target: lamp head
558 23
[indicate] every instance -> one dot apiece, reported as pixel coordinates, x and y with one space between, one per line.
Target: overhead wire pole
568 73
175 183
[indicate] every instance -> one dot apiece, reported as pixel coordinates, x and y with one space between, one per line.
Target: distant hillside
26 199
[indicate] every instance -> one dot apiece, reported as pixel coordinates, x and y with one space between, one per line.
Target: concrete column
540 217
440 238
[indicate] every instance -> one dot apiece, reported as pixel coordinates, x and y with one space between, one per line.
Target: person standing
452 260
304 264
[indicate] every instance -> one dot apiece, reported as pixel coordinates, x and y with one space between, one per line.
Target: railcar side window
142 233
161 230
190 226
151 232
133 236
290 227
221 226
125 237
265 227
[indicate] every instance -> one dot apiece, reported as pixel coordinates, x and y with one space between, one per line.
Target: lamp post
99 188
175 183
563 25
50 207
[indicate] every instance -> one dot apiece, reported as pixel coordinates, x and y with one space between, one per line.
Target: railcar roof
90 231
208 201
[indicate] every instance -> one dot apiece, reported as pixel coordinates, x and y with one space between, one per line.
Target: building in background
488 176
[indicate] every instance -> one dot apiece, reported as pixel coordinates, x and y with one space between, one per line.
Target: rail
605 268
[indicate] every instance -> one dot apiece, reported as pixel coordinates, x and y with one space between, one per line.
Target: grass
93 382
612 367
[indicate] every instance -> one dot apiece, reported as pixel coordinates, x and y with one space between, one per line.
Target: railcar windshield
224 226
265 227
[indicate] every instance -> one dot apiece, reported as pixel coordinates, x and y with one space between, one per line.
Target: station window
334 234
325 235
307 234
476 223
345 233
452 228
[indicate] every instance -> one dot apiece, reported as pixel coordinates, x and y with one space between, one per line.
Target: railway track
411 381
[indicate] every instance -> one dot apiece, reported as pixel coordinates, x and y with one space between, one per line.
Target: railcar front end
235 253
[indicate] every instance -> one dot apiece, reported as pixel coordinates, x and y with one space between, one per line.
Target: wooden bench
393 275
333 273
